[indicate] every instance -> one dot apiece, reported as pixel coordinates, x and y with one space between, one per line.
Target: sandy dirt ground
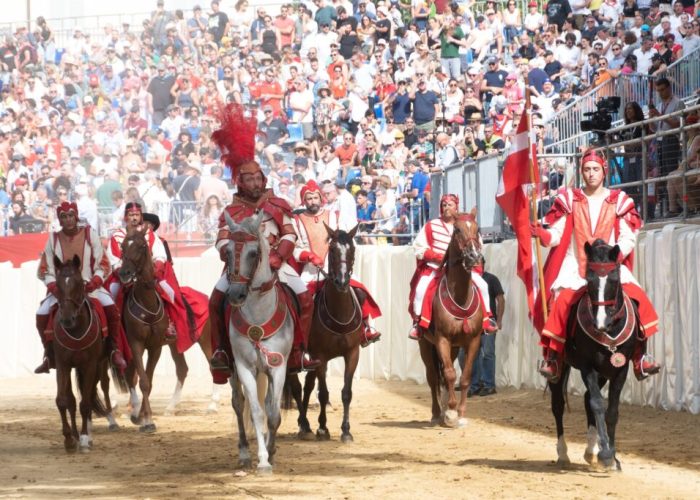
507 450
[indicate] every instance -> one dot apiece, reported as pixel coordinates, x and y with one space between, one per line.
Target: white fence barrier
668 266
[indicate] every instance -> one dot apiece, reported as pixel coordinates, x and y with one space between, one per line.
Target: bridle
467 245
238 240
602 270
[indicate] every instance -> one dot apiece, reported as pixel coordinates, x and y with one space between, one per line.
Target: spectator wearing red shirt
285 26
270 92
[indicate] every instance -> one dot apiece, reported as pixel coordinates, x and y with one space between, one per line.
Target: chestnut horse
336 330
145 322
456 322
604 327
77 344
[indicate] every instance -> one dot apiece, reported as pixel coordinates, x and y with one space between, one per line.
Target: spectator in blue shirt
419 182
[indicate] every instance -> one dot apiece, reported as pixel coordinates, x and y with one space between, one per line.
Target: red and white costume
312 237
435 236
574 220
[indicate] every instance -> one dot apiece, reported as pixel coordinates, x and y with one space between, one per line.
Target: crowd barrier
666 265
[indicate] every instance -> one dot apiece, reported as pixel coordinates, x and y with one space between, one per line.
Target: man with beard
236 138
312 252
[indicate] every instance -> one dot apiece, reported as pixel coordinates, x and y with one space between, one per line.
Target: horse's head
136 258
70 290
465 246
245 252
603 276
341 256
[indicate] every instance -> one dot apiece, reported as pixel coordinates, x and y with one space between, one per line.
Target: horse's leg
146 384
558 402
590 378
104 385
589 455
351 360
250 383
431 374
272 404
63 390
88 386
465 379
322 432
612 414
137 372
181 370
237 402
444 350
204 342
305 431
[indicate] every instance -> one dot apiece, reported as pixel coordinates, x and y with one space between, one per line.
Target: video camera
600 120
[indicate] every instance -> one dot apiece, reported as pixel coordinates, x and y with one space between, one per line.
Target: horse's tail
437 363
98 407
119 381
190 316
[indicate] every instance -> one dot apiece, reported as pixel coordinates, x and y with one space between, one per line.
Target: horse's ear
473 212
231 225
76 261
258 220
57 263
588 249
330 232
353 231
614 253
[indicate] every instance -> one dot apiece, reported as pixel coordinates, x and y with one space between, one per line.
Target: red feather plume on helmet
236 137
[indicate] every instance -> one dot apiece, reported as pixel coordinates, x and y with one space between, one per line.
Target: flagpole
533 198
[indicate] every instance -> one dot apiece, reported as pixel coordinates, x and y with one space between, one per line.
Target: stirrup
170 335
415 332
652 367
549 369
369 336
219 362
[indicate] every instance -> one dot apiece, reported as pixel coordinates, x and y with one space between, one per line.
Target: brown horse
336 330
145 322
77 344
456 322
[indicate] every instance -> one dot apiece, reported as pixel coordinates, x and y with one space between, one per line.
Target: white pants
287 275
100 294
424 281
115 286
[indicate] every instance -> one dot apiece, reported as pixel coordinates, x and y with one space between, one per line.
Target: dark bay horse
336 330
603 328
456 322
145 322
78 344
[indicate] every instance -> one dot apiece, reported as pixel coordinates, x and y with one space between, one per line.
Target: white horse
261 330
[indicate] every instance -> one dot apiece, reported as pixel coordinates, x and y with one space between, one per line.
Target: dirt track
506 450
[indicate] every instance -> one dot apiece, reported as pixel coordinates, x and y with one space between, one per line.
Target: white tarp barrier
668 264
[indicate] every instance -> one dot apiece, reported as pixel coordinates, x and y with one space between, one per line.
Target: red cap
94 81
66 207
449 197
132 208
594 156
310 187
21 181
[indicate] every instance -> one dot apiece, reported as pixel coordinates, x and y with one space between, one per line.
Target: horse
603 328
261 330
336 330
456 322
145 322
78 344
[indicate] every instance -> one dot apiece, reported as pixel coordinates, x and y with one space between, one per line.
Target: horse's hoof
212 409
347 438
462 422
563 462
113 427
265 470
148 428
169 412
451 418
71 445
589 457
306 435
85 443
245 463
323 435
435 421
135 419
618 466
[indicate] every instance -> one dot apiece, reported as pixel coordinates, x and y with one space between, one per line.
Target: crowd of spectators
365 97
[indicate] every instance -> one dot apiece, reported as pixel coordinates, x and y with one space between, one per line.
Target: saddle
334 325
139 312
584 317
98 323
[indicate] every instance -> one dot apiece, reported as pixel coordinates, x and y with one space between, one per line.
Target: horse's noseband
602 270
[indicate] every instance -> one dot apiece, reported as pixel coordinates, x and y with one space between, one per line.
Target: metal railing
564 128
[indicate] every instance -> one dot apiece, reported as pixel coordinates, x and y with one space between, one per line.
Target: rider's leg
113 327
489 324
421 287
171 332
553 337
42 322
642 362
222 357
299 358
369 333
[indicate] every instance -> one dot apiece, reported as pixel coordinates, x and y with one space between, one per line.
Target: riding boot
369 334
552 365
42 321
643 363
113 325
416 332
170 335
299 360
489 325
220 362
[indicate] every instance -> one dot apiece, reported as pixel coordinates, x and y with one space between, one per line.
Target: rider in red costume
579 216
84 242
312 251
167 283
431 245
236 139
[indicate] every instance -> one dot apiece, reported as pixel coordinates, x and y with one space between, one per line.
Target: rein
85 339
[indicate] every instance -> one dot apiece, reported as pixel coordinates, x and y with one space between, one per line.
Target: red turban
132 208
310 187
449 197
67 207
594 156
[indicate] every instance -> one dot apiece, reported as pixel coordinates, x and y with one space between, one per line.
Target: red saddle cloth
369 305
199 304
97 310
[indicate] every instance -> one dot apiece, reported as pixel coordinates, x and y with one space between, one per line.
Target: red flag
512 196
